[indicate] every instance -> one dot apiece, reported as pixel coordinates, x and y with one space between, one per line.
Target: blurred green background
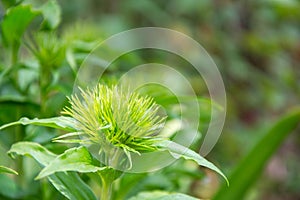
255 44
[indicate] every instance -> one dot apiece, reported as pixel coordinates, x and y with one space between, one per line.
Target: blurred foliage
250 168
255 44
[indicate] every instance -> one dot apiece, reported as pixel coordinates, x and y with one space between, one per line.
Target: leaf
179 151
15 23
67 183
10 3
63 123
9 188
71 186
160 195
4 169
75 159
74 141
52 15
68 135
250 168
38 152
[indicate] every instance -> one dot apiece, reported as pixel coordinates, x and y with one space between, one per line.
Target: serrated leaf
63 123
250 168
15 23
75 159
52 15
67 183
4 169
160 195
179 151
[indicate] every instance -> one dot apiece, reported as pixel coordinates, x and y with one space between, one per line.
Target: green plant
250 168
255 44
34 79
115 121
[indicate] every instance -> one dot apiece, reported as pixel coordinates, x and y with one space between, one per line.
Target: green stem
45 79
46 193
106 186
19 135
14 61
14 54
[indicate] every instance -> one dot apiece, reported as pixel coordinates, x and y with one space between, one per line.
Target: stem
45 79
19 135
106 185
13 61
112 157
106 191
44 189
14 54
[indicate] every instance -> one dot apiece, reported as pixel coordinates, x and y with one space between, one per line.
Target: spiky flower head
114 116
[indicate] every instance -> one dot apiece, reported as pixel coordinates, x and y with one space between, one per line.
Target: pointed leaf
67 183
250 168
63 123
179 151
73 141
68 135
4 169
62 138
75 159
